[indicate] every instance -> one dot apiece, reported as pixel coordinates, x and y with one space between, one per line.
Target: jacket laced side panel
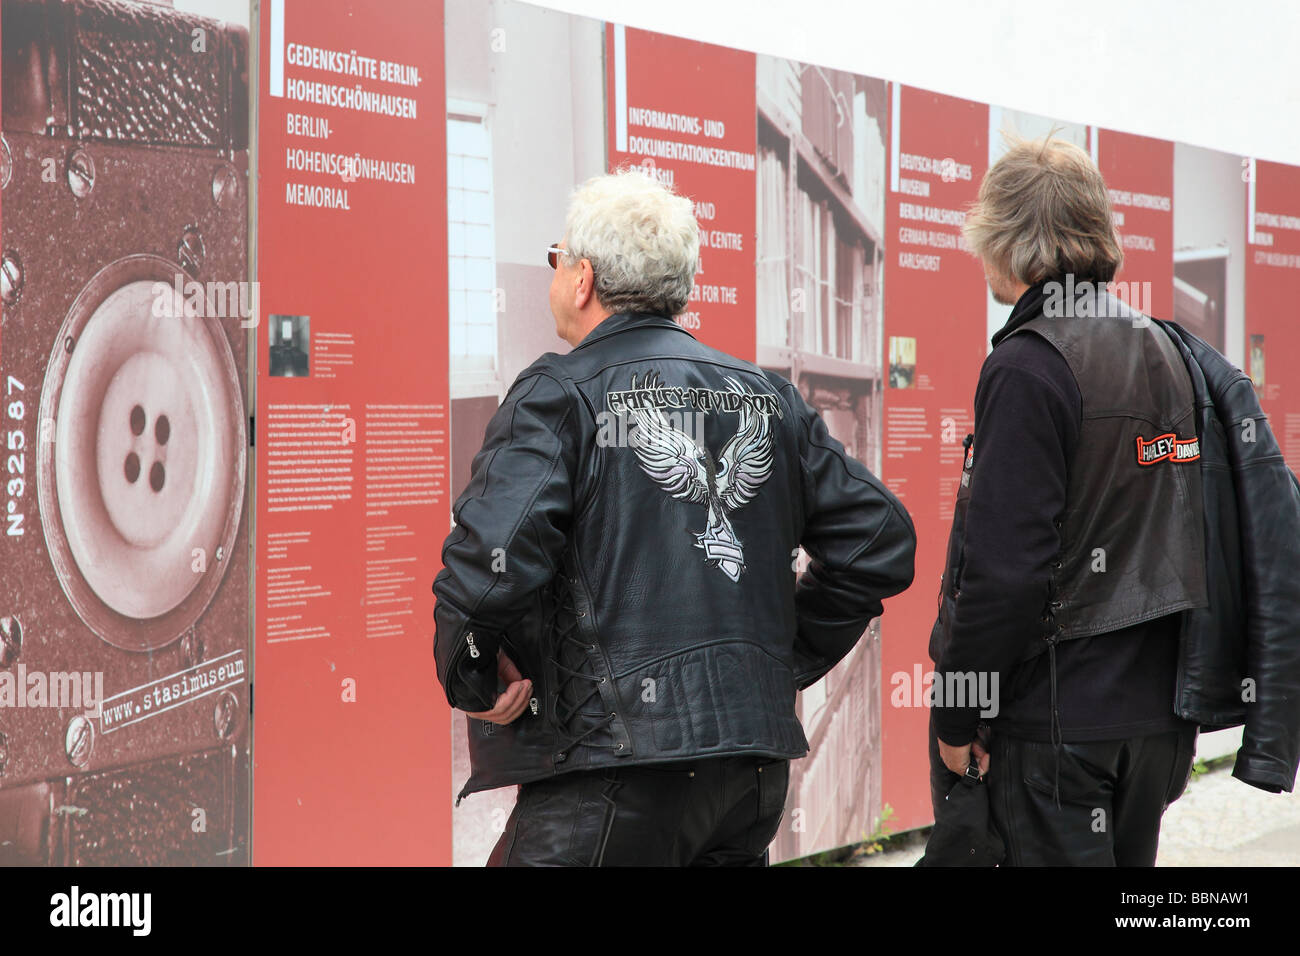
577 679
1052 637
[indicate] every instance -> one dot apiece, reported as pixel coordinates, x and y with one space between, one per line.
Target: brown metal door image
124 595
821 162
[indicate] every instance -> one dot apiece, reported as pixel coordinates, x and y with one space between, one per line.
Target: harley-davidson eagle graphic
683 466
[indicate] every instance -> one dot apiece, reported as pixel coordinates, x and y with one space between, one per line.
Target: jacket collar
622 321
1028 306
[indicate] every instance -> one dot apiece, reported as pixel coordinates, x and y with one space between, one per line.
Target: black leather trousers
1112 795
709 812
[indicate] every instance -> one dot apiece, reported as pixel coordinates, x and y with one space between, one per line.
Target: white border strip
996 146
1250 203
620 88
277 47
895 124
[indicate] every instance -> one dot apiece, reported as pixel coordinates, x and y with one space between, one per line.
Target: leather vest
1132 534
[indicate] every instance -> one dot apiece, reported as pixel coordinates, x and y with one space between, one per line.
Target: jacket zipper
539 681
468 647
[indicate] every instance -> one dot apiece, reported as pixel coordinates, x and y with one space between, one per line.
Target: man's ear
586 286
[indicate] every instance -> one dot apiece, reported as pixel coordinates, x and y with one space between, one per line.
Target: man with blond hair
1077 535
617 611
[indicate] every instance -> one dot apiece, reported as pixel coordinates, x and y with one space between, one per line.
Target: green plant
875 842
845 855
1201 766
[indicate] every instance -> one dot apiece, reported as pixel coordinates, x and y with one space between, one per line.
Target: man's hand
511 702
957 759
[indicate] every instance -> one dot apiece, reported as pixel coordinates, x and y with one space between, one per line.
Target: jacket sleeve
1027 414
860 542
1268 508
511 526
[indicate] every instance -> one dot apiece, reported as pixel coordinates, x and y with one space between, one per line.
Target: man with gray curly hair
619 612
647 265
1077 535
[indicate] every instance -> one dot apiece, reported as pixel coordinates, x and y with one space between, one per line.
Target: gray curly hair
641 238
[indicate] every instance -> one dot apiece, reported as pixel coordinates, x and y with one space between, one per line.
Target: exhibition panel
267 273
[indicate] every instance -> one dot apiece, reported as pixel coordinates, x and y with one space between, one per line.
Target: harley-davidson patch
1167 447
687 470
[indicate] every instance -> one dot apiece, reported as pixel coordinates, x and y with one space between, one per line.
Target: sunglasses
553 255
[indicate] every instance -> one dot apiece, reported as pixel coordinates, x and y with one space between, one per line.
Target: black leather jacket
1239 659
629 538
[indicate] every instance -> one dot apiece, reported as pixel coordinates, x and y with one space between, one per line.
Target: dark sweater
1027 420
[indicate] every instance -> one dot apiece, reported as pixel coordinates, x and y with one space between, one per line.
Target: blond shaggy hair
1043 213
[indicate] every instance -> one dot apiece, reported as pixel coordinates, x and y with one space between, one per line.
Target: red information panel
1272 290
934 343
1140 174
353 749
684 111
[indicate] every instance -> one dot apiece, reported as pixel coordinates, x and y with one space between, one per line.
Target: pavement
1218 821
